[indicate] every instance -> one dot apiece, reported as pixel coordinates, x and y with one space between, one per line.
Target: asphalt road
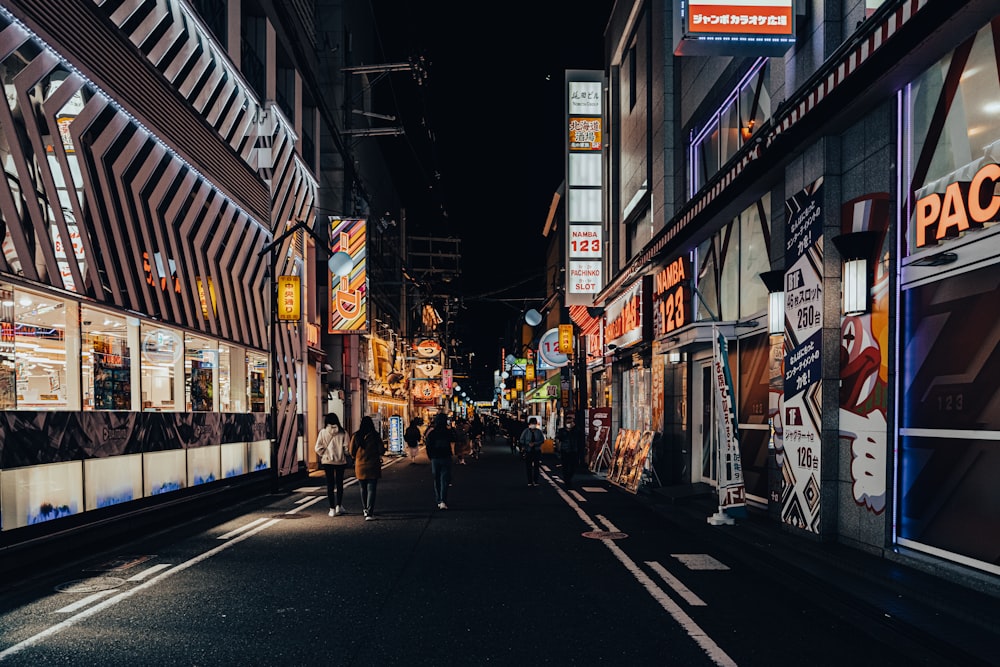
508 575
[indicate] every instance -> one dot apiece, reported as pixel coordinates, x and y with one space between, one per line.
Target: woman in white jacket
331 445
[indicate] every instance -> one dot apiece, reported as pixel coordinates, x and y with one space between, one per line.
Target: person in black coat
439 442
569 441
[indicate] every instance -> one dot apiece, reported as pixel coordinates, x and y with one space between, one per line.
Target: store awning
546 391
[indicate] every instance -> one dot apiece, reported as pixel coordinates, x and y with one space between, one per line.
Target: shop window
754 257
162 377
107 361
40 353
8 380
728 129
201 368
257 385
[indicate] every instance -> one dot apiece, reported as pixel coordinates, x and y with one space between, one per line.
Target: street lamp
274 248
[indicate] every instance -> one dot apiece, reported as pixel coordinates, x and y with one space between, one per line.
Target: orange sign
289 298
585 134
743 17
566 339
962 207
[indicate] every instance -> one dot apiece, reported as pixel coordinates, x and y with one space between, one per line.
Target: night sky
482 156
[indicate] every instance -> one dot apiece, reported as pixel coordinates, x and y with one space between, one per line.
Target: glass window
106 364
257 385
201 367
754 257
8 380
162 369
40 353
233 396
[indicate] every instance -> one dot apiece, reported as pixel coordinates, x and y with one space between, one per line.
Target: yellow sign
519 384
289 298
566 339
529 372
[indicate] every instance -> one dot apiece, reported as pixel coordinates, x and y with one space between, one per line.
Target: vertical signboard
349 285
803 416
289 299
584 207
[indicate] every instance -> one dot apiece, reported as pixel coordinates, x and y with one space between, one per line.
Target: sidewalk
959 619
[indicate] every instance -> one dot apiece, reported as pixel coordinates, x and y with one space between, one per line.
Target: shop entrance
704 435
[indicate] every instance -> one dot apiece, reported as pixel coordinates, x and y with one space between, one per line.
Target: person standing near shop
531 449
412 438
367 449
438 442
569 440
331 446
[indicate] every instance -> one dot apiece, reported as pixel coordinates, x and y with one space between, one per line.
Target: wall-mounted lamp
774 281
674 357
856 248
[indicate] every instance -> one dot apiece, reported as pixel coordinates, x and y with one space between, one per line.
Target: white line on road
576 495
676 584
707 644
311 501
239 530
147 573
83 602
149 583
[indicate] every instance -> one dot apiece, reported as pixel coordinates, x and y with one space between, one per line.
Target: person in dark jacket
439 443
412 438
531 449
367 449
569 441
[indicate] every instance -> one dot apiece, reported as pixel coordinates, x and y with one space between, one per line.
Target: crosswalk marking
83 602
699 562
149 572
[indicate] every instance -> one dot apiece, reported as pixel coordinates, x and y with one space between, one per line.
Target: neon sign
963 206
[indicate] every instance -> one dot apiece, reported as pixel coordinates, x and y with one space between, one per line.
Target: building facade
171 169
846 176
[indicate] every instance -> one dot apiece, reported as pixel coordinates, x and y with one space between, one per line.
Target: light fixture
857 249
674 357
458 387
774 281
340 263
533 317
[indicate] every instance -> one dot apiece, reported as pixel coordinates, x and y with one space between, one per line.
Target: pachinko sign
348 276
626 318
966 200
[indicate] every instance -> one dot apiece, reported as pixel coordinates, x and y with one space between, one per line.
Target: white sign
585 241
584 277
584 98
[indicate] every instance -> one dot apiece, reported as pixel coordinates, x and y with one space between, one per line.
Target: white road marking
675 584
83 602
242 528
311 501
699 562
711 649
302 499
576 494
147 573
594 489
124 595
308 489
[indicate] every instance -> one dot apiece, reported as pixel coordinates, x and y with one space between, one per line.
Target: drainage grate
92 585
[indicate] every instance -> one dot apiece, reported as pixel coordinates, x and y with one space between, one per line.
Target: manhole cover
92 585
604 535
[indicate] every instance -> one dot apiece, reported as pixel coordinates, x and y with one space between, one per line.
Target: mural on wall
864 361
803 418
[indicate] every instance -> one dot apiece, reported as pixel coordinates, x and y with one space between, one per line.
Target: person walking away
412 438
531 449
438 443
367 449
569 440
476 430
463 447
331 446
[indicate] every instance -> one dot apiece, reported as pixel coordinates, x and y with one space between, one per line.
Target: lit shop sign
626 319
671 296
584 206
964 205
289 302
349 283
733 27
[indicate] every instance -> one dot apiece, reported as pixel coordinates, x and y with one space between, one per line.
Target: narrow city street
508 574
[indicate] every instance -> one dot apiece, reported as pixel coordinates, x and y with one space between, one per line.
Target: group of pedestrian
336 452
364 449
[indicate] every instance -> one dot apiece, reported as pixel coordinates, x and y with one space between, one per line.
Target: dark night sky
482 155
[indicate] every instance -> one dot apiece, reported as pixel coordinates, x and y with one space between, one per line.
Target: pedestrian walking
463 447
367 449
569 440
412 438
438 442
331 446
531 450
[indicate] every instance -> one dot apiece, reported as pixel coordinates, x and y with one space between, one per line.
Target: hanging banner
566 339
803 406
396 434
348 276
289 298
730 473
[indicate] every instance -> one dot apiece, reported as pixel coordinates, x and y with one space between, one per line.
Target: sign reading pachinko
803 352
584 179
732 494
